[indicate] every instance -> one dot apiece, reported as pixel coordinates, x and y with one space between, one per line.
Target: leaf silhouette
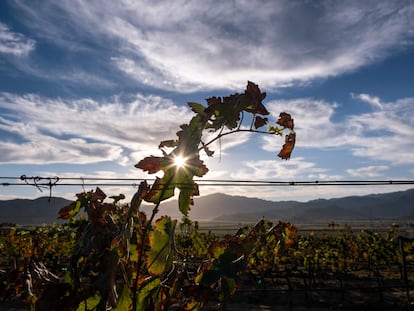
255 96
259 122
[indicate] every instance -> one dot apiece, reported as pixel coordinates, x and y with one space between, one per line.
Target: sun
179 161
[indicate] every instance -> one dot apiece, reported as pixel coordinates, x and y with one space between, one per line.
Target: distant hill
221 207
32 212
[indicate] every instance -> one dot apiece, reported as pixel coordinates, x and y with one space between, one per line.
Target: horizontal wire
56 181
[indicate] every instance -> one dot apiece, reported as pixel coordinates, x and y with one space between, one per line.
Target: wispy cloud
85 131
14 43
368 171
123 129
186 46
385 133
372 100
293 170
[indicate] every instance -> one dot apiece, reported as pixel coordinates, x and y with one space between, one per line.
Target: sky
89 88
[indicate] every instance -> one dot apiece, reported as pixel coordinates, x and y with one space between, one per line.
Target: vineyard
111 255
341 269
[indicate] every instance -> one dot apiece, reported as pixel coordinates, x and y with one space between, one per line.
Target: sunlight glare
179 161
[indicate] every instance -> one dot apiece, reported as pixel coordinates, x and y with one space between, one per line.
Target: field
353 266
383 278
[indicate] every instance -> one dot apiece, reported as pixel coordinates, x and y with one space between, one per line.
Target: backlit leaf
150 164
70 210
185 200
160 191
161 240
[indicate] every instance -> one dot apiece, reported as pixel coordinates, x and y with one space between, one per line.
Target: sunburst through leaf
179 161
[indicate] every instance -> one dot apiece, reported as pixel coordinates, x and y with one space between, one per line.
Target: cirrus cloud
14 43
187 46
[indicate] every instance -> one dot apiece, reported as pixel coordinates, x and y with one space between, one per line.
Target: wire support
48 182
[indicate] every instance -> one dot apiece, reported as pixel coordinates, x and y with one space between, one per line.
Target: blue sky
89 88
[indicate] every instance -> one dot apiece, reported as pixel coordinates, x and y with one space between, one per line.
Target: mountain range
222 207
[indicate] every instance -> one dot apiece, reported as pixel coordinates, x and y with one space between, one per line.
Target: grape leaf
161 241
197 108
160 191
145 301
150 164
69 211
125 300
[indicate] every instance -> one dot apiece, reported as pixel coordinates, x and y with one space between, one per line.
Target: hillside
32 212
222 207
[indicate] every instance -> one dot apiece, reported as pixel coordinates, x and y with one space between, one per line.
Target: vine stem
140 256
142 246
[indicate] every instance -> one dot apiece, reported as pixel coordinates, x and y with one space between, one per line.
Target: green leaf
161 190
161 241
197 108
275 130
124 300
208 275
184 200
217 248
90 303
145 301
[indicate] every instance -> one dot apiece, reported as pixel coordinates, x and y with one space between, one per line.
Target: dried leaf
285 120
288 146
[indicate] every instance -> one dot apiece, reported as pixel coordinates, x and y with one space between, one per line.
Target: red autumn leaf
285 120
259 122
288 146
150 164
